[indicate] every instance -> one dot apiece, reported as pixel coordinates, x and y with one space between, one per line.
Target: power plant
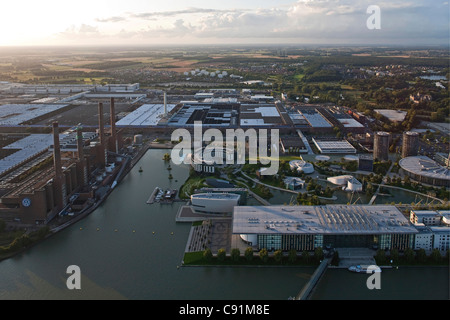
71 173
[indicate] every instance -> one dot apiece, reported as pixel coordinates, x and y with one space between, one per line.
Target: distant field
107 65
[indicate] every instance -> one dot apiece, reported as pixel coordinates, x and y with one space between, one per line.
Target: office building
410 144
310 227
381 146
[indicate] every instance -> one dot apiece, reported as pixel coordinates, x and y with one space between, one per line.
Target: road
372 201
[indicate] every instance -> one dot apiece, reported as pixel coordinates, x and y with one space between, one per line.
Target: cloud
82 30
188 11
111 19
333 21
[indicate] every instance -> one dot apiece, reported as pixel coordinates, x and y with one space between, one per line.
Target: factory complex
59 156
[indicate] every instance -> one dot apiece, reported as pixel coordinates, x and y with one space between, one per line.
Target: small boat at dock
365 269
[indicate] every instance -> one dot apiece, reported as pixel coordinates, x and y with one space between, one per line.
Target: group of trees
410 256
393 257
24 240
264 256
441 193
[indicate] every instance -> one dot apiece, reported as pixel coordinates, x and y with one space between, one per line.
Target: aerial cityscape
273 149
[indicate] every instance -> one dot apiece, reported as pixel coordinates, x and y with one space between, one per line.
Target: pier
308 288
151 200
163 196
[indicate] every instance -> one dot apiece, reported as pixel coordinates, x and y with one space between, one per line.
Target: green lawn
190 184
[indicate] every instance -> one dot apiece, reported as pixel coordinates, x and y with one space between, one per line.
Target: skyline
199 22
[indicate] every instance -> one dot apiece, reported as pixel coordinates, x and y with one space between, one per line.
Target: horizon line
447 45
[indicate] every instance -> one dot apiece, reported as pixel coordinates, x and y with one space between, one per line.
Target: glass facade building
305 228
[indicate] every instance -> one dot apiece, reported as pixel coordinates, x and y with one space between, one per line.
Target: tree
409 255
207 255
318 254
436 255
20 243
394 255
305 256
335 261
278 255
380 256
264 255
249 254
221 254
235 254
42 232
421 255
292 256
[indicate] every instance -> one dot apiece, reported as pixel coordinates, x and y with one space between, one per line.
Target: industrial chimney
165 104
80 143
101 133
80 149
59 180
113 127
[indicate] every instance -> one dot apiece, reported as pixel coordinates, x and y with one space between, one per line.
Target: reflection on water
407 283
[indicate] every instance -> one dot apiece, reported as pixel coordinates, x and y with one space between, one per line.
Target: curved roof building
426 170
302 166
215 202
350 183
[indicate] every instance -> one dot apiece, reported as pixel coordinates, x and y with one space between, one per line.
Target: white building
424 239
302 166
349 183
441 238
215 202
445 217
353 185
427 217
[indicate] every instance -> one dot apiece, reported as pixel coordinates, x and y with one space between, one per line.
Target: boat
365 269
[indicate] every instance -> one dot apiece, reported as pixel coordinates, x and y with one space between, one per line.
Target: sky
175 22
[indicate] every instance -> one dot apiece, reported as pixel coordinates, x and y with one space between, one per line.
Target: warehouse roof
332 220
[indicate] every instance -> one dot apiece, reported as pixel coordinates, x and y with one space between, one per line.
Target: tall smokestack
101 126
80 148
101 133
59 180
165 104
80 144
113 127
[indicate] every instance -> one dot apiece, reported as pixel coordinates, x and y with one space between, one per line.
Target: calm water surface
126 250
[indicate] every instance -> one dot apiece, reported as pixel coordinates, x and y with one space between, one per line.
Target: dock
162 196
152 198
